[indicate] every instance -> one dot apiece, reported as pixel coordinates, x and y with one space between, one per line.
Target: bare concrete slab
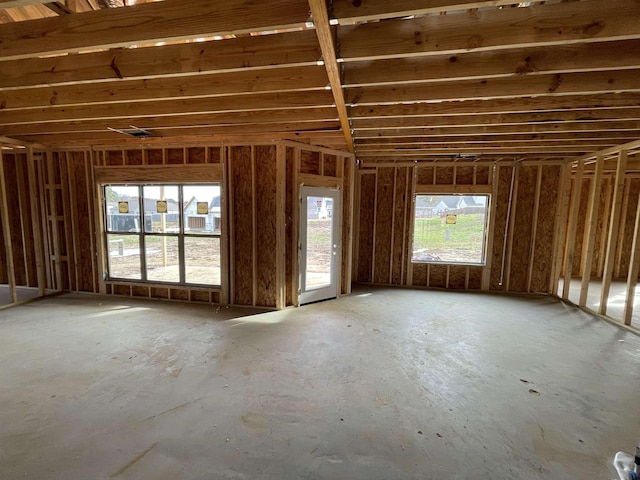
385 384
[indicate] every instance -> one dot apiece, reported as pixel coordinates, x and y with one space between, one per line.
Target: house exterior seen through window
450 229
163 233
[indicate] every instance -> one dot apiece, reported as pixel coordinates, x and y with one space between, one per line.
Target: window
450 229
163 233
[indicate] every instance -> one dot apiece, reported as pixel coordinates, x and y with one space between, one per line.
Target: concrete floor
23 293
384 384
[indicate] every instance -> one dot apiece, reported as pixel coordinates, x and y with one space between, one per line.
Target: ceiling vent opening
134 132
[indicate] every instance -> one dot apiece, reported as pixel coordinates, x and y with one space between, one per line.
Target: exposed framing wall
260 183
520 243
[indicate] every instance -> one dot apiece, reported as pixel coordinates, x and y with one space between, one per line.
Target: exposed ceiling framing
394 81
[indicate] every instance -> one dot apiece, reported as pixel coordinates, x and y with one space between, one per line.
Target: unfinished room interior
310 239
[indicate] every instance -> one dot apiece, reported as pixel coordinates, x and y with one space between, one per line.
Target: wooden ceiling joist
237 54
202 86
148 23
539 25
604 56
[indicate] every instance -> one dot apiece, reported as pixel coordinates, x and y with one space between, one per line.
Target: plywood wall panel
629 220
175 156
444 176
464 175
543 248
365 227
330 165
419 277
424 175
265 167
400 225
196 155
500 222
383 225
437 276
580 231
133 157
309 162
291 253
154 157
522 228
483 174
84 260
15 224
457 277
475 278
242 226
602 226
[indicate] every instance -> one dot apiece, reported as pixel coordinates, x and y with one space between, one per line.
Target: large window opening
163 233
450 229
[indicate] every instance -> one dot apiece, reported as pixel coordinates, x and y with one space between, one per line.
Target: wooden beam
36 215
280 225
595 127
153 90
131 111
492 29
634 270
6 231
497 119
178 122
20 3
460 148
614 225
348 11
500 88
615 138
495 64
325 37
147 23
588 104
591 231
298 48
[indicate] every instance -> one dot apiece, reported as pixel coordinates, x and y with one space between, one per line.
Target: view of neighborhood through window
450 228
163 233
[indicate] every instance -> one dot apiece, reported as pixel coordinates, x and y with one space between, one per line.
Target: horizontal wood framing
159 174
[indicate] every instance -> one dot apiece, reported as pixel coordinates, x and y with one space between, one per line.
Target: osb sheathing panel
12 193
309 162
580 231
265 204
502 205
365 227
384 214
520 253
483 174
290 253
133 157
602 226
401 213
196 155
419 277
242 227
437 276
114 157
464 175
629 223
475 278
175 156
154 157
215 154
457 276
330 165
84 261
543 249
444 175
424 175
3 258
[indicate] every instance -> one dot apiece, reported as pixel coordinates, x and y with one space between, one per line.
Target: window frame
142 233
459 192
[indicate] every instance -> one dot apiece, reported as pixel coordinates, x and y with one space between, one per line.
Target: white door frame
324 292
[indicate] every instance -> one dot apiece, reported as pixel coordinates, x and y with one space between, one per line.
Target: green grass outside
463 243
